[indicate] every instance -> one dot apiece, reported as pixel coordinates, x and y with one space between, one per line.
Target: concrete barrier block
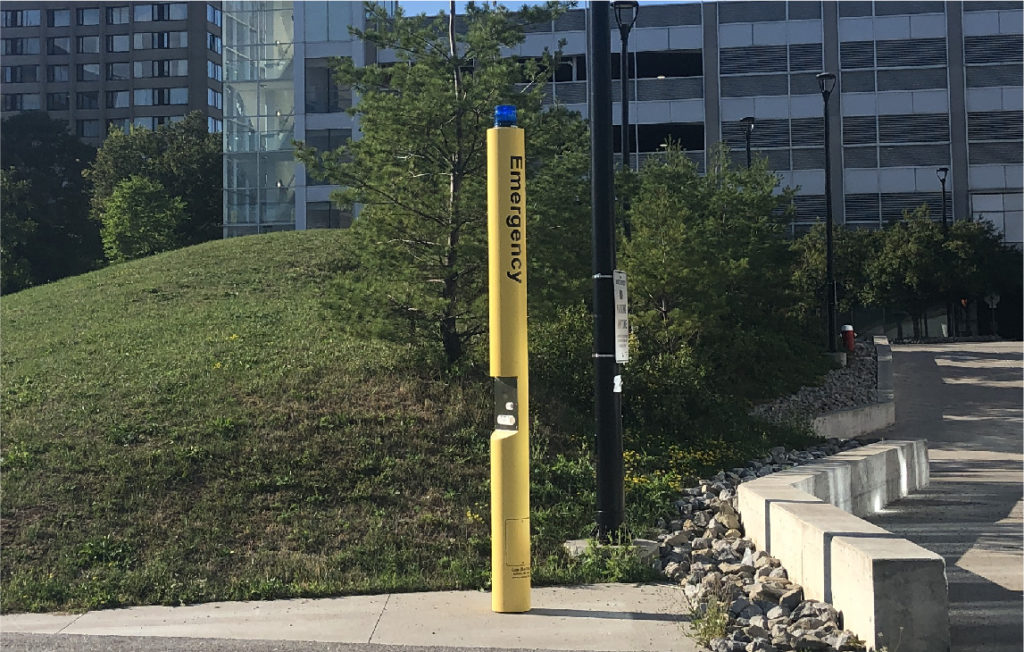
754 502
807 516
893 592
801 535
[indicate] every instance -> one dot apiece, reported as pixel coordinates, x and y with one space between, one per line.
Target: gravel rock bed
852 386
706 552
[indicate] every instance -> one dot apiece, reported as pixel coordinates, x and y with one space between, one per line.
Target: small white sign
621 317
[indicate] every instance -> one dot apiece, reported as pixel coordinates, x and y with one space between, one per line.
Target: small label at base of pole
517 545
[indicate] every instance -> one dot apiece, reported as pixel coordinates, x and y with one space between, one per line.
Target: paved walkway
966 400
611 617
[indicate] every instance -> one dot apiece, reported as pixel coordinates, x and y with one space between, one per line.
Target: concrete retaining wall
807 516
853 422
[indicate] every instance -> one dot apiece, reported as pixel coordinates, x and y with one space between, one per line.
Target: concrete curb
888 589
853 422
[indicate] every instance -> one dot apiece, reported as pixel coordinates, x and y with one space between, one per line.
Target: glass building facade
259 117
921 85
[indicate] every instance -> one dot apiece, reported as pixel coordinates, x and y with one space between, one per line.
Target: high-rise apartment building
921 85
103 64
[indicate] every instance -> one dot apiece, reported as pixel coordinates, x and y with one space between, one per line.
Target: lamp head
826 82
941 174
748 122
625 13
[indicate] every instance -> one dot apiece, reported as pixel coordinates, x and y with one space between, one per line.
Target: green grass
196 426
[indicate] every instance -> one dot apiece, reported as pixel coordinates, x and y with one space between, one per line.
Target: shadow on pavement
617 615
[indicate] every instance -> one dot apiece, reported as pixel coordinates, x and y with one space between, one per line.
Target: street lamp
827 82
625 17
607 390
748 122
950 319
941 174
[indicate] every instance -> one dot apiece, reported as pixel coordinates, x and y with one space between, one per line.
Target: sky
432 7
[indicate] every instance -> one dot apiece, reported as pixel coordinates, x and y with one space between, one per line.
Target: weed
709 618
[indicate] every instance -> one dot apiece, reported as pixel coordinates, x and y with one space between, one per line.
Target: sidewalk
965 398
608 617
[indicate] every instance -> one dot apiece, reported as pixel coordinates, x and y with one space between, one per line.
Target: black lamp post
827 82
748 122
941 174
625 17
607 400
950 320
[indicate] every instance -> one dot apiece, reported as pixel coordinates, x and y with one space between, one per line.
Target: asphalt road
966 400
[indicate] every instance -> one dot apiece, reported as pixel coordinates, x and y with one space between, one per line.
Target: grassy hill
193 427
196 426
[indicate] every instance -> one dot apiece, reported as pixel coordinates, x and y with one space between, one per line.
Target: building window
161 40
21 46
119 71
177 95
119 43
87 100
325 140
21 74
174 11
213 42
214 98
325 215
162 11
213 15
89 129
160 96
58 17
88 72
145 122
175 68
162 68
57 102
58 45
88 44
89 16
58 73
123 124
118 15
21 18
214 126
21 102
119 99
214 71
323 94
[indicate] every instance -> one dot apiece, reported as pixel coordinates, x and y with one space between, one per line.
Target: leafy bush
140 219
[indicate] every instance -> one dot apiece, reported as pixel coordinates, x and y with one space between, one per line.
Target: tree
978 260
182 157
140 219
417 252
852 249
909 270
709 274
16 235
47 234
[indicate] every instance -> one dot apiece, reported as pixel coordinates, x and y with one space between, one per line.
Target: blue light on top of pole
505 115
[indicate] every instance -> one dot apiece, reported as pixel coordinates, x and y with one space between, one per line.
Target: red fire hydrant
848 337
